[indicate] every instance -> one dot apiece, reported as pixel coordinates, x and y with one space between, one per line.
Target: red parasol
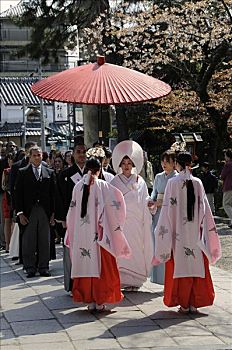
100 83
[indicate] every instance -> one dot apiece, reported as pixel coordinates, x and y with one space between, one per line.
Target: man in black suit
12 180
17 165
70 176
34 202
66 182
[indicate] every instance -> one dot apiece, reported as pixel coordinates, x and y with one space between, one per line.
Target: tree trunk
90 120
123 133
220 136
95 118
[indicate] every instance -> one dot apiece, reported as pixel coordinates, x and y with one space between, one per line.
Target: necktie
37 174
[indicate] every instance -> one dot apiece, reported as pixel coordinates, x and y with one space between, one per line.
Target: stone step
224 229
220 219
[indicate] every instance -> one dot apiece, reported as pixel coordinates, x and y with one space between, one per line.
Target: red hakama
186 291
103 290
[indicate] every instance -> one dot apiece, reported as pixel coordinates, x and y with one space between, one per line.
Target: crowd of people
118 224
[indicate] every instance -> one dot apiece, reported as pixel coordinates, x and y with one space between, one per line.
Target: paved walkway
39 315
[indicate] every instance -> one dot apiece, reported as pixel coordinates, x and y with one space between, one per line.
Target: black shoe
230 226
30 274
15 258
45 274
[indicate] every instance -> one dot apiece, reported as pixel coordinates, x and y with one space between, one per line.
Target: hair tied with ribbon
87 178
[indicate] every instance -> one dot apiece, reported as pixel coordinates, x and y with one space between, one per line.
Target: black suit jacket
13 176
29 191
65 188
110 170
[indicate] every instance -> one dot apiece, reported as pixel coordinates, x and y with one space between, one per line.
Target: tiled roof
13 89
60 132
63 128
52 139
57 130
15 129
188 137
15 11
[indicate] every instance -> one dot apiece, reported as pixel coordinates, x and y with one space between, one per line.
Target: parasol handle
101 60
100 131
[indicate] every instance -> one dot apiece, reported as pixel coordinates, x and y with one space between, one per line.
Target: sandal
131 289
100 308
91 307
184 311
193 310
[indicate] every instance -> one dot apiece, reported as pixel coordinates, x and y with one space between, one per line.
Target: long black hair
185 159
94 165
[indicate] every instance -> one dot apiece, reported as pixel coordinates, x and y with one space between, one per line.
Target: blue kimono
160 182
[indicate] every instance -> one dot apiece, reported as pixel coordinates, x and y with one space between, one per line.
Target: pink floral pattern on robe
186 240
102 226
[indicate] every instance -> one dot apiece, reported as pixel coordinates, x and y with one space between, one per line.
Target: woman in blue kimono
160 182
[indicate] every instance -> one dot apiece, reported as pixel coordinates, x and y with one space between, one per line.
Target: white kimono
102 226
186 239
137 229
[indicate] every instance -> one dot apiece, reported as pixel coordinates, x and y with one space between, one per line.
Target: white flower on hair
97 152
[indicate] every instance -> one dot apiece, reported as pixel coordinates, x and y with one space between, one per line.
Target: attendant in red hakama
186 240
95 237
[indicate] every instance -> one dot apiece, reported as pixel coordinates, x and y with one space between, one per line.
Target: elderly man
12 180
34 202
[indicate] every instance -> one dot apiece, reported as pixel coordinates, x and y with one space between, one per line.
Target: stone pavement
37 314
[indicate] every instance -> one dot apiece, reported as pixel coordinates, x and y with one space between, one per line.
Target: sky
5 4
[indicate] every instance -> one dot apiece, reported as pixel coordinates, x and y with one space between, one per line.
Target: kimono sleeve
209 242
154 190
163 231
112 220
147 235
71 219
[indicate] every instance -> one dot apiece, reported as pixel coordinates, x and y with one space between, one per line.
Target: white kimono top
102 226
186 239
137 230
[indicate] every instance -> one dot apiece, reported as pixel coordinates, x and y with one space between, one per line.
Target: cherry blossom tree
185 43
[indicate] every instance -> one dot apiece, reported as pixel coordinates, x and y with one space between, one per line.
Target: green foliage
55 24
